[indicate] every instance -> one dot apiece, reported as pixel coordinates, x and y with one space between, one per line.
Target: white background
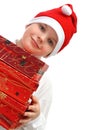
68 70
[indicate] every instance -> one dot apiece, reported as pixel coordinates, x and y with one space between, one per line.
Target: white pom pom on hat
66 10
63 20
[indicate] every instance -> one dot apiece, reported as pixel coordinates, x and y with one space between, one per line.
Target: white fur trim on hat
56 26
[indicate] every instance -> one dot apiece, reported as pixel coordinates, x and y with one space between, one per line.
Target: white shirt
44 94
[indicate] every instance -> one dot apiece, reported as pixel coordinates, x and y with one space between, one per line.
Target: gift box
10 111
20 73
15 84
7 121
21 60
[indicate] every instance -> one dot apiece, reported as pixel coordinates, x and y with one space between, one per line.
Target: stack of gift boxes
20 73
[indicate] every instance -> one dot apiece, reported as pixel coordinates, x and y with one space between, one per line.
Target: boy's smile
34 43
39 39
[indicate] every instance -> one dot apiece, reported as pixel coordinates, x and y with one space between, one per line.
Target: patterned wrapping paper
21 60
15 84
20 73
9 115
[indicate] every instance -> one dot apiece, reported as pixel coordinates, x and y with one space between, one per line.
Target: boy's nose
41 38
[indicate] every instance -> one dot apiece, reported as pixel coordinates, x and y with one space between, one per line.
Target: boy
45 35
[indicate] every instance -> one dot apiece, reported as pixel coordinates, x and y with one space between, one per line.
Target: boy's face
39 39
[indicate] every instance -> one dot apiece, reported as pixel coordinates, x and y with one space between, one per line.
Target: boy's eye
42 28
50 42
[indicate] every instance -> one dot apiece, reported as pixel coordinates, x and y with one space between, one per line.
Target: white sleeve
44 94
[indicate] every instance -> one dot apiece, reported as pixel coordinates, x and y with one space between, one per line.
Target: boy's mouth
34 43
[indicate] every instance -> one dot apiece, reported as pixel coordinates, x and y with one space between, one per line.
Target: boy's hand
32 112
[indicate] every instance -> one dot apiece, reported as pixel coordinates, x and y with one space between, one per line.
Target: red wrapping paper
20 73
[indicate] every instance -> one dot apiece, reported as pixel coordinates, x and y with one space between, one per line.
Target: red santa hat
63 20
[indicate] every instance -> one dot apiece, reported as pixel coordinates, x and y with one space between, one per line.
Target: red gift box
9 117
20 73
10 110
15 83
21 60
